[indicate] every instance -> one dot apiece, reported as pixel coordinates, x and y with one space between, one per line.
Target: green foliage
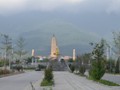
105 82
1 63
110 66
70 60
117 67
48 77
45 60
3 72
6 47
72 68
28 60
82 70
20 44
48 74
98 62
17 67
41 66
86 58
116 37
47 83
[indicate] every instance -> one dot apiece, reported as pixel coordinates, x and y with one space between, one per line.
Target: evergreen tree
20 44
117 67
6 47
98 62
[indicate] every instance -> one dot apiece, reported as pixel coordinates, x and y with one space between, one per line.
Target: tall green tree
20 44
117 67
6 47
116 37
98 61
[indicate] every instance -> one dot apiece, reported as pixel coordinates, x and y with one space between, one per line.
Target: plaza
63 81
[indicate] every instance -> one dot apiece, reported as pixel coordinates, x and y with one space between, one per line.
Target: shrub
41 66
5 71
117 67
109 83
48 78
17 67
46 83
72 68
82 70
48 74
97 71
98 62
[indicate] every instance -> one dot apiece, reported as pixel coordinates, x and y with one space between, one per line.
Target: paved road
63 81
19 82
112 77
68 81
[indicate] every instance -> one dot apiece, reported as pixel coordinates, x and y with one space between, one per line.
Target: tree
82 69
98 61
116 37
20 44
117 67
6 47
110 66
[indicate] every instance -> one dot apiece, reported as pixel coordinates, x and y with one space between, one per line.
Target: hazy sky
96 17
74 6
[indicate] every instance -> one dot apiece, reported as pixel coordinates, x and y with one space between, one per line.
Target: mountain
68 37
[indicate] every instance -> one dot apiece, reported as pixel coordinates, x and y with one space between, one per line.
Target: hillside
68 37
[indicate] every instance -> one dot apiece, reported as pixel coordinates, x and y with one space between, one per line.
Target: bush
48 74
98 62
48 78
46 83
17 67
1 63
97 71
2 72
41 66
82 70
105 82
117 67
70 60
72 68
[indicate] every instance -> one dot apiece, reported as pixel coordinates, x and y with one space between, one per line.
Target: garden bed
11 73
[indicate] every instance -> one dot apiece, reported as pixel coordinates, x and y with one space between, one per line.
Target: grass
47 83
105 82
109 83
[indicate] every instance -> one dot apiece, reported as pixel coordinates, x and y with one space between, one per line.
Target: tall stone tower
54 48
74 54
33 52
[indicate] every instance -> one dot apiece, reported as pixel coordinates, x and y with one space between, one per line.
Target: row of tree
8 48
97 61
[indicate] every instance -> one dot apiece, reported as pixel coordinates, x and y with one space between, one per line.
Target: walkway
69 81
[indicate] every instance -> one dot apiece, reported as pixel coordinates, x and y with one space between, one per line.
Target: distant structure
33 53
54 48
74 55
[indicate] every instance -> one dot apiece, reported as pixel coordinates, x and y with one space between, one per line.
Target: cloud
9 6
16 6
114 6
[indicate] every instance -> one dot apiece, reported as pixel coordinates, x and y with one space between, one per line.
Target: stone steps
58 66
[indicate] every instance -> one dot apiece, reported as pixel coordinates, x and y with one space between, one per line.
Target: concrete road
69 81
112 77
19 82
